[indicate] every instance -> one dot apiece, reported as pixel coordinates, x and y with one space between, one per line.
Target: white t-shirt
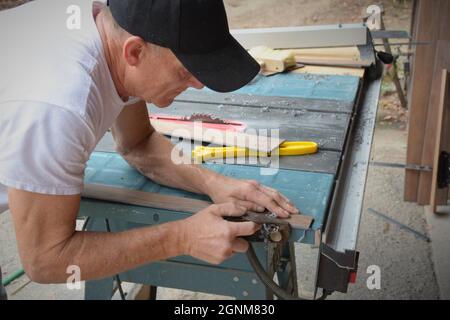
57 97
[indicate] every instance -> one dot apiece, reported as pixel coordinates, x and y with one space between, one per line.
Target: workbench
336 111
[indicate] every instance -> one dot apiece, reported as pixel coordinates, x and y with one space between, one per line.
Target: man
65 82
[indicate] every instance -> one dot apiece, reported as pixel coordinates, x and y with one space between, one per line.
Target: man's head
146 70
154 73
170 45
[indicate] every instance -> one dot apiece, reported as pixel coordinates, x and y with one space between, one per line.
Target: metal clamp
418 167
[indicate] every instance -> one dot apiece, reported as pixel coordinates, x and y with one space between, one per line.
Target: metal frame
343 222
331 263
341 35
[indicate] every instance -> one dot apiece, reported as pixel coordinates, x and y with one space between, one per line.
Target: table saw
335 110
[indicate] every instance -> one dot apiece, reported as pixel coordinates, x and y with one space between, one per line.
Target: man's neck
112 59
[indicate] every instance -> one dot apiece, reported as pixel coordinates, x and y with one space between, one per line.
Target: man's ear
133 49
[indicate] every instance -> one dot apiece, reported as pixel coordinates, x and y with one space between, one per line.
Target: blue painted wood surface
299 85
309 191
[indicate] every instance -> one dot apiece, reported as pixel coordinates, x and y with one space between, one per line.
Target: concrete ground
406 261
439 224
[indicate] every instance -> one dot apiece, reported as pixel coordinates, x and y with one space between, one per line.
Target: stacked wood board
328 61
439 196
432 25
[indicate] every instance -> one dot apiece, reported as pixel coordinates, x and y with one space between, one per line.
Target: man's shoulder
25 114
43 148
47 61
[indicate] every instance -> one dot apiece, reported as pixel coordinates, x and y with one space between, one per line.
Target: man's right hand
48 242
208 236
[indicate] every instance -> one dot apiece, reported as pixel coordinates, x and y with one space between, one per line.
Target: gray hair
120 34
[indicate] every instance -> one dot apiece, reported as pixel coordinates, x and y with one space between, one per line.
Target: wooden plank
144 199
357 72
340 56
333 62
445 144
348 53
442 142
174 203
427 29
273 61
424 30
196 132
442 61
349 56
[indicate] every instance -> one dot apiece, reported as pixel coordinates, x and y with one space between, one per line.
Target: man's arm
48 242
150 153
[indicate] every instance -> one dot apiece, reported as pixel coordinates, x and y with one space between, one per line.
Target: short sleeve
43 148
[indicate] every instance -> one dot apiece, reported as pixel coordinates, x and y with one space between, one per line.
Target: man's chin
163 103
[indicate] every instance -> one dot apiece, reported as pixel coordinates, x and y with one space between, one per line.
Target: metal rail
341 35
342 226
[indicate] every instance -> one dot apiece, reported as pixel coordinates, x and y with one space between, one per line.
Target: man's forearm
101 254
153 158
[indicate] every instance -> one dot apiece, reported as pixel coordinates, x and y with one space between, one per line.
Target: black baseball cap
197 33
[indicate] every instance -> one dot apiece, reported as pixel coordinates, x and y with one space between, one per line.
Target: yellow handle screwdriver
287 148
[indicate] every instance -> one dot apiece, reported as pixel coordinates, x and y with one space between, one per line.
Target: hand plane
273 228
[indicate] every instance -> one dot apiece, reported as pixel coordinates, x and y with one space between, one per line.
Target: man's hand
207 236
251 194
150 152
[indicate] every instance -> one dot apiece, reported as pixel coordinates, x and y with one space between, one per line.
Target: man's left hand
252 195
